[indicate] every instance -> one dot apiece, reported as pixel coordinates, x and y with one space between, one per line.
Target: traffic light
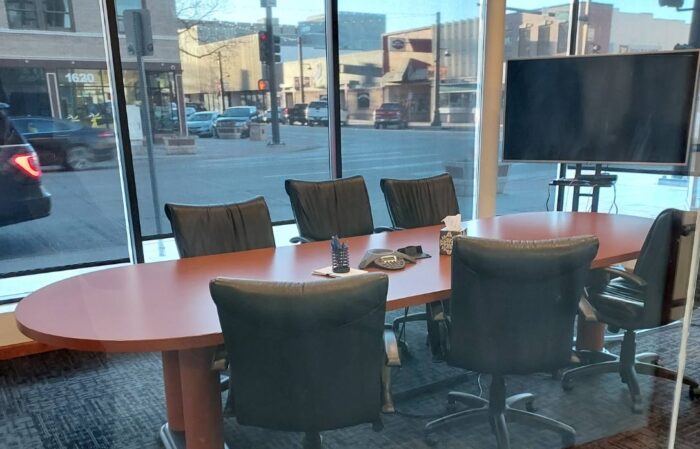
276 49
264 46
671 3
269 47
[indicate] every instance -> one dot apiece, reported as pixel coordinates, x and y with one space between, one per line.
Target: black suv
296 114
22 197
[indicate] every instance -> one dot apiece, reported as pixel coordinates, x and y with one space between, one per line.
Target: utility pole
221 82
694 39
272 79
301 67
436 75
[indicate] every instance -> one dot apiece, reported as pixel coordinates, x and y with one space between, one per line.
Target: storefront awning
410 71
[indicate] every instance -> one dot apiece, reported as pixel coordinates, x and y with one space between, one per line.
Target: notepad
328 272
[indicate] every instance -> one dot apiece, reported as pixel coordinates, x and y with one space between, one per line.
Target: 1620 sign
80 77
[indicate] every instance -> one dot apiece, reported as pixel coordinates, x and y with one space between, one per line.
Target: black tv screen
633 108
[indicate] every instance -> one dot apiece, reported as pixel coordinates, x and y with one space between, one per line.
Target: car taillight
28 164
105 134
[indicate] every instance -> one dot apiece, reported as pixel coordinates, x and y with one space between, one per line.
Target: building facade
64 72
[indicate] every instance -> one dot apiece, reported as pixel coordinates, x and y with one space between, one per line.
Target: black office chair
307 356
224 228
641 300
326 208
513 305
216 229
416 203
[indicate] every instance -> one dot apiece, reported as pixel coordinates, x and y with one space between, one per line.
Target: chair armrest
300 239
391 347
385 229
626 275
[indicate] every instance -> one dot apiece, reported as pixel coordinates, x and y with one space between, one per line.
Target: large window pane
397 126
55 92
536 29
213 79
633 27
533 29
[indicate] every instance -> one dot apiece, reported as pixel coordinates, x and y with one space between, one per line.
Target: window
362 100
40 14
218 47
397 52
66 116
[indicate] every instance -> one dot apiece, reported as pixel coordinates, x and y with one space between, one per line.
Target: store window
40 14
362 100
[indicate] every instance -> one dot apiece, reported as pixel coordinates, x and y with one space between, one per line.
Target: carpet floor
73 400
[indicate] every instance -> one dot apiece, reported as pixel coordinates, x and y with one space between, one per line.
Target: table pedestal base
193 400
172 439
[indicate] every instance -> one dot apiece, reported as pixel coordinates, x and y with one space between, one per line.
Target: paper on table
453 222
328 272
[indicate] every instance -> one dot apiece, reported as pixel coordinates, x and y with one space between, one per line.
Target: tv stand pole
590 181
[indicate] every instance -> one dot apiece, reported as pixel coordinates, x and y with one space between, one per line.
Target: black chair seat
619 301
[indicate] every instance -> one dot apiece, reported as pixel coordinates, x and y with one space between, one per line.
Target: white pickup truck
317 114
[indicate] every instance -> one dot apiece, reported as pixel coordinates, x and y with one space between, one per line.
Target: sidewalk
416 125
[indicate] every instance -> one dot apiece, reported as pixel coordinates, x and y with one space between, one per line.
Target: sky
403 14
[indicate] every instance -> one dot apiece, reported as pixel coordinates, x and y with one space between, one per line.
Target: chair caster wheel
637 407
530 407
693 393
567 386
451 407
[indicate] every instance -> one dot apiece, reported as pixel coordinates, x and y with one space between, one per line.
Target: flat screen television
608 109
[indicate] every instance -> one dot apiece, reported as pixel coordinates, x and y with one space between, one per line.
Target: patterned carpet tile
72 400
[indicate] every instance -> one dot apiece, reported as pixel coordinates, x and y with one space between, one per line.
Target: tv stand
594 181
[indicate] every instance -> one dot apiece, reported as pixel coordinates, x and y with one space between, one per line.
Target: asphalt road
87 221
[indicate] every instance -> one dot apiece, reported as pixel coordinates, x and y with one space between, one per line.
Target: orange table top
167 306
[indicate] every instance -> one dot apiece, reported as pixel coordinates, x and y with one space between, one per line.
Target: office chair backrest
513 303
215 229
677 288
327 208
305 356
420 202
664 263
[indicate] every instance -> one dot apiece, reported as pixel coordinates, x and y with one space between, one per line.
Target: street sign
266 3
139 35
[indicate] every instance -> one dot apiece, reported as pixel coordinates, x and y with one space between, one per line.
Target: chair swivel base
482 409
645 363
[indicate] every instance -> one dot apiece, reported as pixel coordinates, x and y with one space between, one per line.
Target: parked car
22 197
317 114
198 107
267 118
202 123
390 114
296 114
236 118
70 144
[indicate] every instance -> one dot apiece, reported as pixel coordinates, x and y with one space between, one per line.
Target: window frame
40 9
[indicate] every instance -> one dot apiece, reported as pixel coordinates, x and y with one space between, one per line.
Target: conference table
166 306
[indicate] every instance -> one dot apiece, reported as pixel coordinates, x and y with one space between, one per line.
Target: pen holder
340 260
